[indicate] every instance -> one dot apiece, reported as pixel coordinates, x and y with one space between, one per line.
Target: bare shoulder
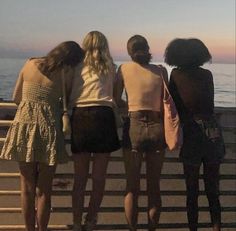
206 71
30 61
28 66
157 68
126 67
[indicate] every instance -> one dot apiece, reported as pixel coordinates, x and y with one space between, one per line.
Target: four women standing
36 141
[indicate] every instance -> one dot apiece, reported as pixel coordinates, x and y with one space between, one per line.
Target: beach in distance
223 74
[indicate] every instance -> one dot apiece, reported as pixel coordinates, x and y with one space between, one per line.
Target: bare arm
118 88
211 84
117 93
69 75
17 93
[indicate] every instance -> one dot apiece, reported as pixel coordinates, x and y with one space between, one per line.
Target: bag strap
166 91
64 100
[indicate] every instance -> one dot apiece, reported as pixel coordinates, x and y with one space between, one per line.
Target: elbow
122 104
16 100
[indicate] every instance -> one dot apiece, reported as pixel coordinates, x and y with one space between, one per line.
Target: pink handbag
172 126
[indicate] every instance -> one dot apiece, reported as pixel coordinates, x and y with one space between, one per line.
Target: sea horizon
122 60
223 76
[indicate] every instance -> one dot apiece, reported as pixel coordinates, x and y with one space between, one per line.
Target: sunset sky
34 27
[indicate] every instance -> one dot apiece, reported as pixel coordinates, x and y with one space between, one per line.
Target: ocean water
223 74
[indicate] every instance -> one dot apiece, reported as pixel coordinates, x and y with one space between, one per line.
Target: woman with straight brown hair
144 136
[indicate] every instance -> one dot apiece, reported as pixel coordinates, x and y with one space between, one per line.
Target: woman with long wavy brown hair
35 139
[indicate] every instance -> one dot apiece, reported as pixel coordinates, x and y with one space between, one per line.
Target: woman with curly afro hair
192 89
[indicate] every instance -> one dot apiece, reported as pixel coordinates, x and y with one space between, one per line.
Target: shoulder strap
166 92
64 100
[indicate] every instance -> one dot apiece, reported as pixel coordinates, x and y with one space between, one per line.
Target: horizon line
119 59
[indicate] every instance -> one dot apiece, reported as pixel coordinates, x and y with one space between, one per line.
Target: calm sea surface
224 80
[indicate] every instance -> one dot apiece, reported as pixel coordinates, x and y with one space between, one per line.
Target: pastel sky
30 27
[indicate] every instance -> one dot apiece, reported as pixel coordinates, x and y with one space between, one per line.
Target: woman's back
143 85
91 88
32 84
196 89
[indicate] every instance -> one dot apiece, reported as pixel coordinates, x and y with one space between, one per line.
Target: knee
153 186
152 213
192 195
28 191
212 194
39 192
133 188
192 188
98 179
79 187
43 194
131 196
211 187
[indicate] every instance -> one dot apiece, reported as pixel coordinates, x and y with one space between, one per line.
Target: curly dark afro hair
186 53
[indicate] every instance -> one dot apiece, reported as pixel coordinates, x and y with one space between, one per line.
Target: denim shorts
203 142
145 132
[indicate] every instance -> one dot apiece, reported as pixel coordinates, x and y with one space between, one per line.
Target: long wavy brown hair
66 53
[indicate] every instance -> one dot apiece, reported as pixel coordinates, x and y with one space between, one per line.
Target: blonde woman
94 130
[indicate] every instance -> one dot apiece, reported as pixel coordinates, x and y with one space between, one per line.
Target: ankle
132 229
90 223
77 227
216 227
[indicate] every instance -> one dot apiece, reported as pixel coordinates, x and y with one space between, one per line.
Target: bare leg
99 170
81 168
191 173
211 181
154 163
28 175
44 190
133 162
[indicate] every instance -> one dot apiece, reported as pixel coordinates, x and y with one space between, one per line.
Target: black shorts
203 142
94 130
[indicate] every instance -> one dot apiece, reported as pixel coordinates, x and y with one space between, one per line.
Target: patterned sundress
35 134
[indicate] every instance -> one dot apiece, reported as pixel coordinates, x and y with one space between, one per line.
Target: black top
193 92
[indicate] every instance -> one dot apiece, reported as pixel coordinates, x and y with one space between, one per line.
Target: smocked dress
35 134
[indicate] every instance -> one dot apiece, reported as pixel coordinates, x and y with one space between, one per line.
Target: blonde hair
97 54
